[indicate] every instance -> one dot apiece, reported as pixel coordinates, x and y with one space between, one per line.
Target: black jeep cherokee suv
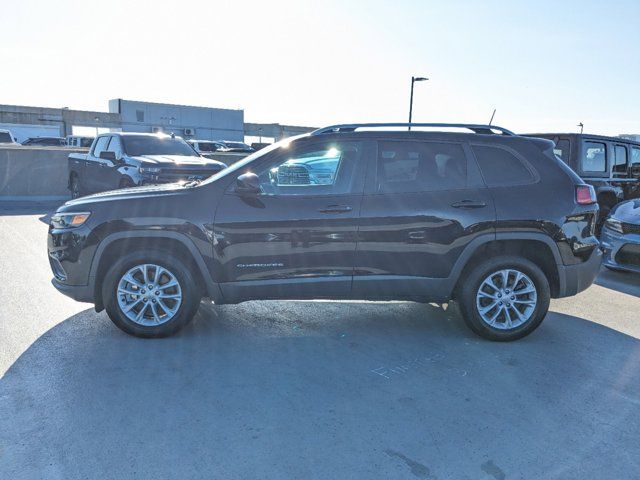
489 219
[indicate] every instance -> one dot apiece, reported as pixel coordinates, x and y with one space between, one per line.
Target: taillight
585 195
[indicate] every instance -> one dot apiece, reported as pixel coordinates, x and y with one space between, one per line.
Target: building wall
207 123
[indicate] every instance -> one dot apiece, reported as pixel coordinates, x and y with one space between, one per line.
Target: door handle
469 204
335 209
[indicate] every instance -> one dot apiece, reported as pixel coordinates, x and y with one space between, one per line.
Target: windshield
135 145
5 137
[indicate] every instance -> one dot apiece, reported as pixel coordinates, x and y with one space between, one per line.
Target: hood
627 212
178 160
128 193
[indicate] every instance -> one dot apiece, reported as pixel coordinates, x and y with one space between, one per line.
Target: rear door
425 203
297 238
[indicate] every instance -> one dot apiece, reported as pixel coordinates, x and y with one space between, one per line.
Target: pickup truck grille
630 228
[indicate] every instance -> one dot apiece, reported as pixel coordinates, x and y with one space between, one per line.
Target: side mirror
105 155
248 184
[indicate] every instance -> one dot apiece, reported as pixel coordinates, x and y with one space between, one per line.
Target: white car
207 147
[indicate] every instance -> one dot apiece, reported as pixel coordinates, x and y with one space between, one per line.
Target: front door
425 203
297 238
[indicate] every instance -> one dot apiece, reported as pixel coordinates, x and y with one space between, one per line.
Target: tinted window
86 141
420 166
101 146
562 149
501 167
593 157
156 145
5 137
325 169
620 160
140 115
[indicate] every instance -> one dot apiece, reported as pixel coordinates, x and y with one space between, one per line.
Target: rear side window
101 146
420 167
635 156
594 157
620 161
501 167
562 149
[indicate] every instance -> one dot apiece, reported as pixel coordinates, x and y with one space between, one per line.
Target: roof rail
352 127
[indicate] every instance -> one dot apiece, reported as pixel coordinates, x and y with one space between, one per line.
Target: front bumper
614 244
576 278
80 293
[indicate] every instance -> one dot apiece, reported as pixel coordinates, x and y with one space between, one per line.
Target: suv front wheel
150 294
504 298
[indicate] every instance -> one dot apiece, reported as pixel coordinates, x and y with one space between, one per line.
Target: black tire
472 282
126 183
191 294
74 186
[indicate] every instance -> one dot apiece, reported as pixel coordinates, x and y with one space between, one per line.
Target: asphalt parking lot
313 390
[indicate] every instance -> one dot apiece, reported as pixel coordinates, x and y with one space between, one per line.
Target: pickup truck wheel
74 186
504 298
150 294
126 183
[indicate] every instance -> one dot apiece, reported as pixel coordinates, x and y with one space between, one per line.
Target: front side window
413 166
321 169
620 161
115 147
501 167
101 146
207 147
594 157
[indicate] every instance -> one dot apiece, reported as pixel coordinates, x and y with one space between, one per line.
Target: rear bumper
576 278
80 293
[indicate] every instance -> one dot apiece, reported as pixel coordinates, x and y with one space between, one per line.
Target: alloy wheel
149 295
506 299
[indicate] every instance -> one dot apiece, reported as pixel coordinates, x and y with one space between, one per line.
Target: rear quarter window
501 167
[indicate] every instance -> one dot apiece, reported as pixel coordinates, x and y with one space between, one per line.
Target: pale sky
545 65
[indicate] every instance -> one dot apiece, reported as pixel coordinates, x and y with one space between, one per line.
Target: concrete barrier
34 173
41 173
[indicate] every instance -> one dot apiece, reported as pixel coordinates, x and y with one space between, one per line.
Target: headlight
149 170
69 220
613 224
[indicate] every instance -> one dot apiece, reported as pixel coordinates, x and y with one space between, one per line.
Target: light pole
414 80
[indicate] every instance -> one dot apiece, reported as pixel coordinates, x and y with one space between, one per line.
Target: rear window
501 167
594 157
420 167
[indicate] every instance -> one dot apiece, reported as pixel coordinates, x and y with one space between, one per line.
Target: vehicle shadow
624 282
322 390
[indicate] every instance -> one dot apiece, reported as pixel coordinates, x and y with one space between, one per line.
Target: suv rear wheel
150 294
504 298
